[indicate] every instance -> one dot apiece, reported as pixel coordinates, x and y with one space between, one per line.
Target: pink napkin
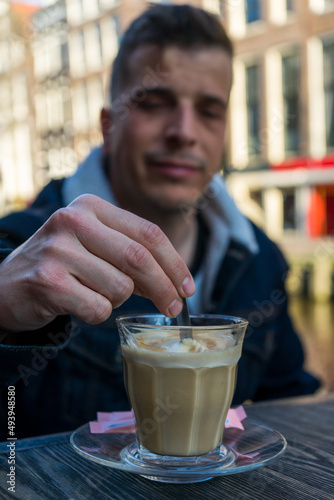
124 421
235 417
116 421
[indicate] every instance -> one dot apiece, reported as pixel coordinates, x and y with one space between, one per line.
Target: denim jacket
67 371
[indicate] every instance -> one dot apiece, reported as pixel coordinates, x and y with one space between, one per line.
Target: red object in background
304 162
320 214
316 214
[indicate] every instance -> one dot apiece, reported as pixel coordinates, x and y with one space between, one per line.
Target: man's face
168 126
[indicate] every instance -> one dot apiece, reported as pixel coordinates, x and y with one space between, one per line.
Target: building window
252 10
289 209
99 41
256 197
82 45
289 5
253 108
291 91
64 56
66 99
329 92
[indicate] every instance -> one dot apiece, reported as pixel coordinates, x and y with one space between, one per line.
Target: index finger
152 238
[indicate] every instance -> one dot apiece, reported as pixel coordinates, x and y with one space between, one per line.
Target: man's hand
87 259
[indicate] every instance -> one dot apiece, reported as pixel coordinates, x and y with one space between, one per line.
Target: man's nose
181 129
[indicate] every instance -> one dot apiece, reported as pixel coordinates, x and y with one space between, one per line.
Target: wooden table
48 468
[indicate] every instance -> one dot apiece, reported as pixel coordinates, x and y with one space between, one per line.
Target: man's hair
183 26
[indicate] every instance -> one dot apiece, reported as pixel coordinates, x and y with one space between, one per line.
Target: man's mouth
178 168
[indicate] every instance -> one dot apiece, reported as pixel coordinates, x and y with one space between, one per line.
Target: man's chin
174 205
175 198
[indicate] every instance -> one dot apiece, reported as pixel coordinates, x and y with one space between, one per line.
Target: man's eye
211 113
151 104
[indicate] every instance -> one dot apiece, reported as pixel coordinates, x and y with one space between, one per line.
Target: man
156 209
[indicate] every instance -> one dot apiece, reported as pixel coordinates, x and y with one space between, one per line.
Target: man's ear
106 127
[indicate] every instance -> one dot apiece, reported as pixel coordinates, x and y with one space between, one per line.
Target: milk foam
164 348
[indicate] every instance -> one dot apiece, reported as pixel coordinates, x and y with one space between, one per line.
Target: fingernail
175 308
188 286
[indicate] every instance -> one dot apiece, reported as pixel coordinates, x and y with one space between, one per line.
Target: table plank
48 468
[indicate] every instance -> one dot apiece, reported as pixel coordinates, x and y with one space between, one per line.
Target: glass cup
180 390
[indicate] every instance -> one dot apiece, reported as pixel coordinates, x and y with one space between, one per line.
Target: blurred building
280 145
17 117
52 93
281 141
93 43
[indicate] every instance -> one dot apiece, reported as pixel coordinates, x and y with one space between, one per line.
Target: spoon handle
183 319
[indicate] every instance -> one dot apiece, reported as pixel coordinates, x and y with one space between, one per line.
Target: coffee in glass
180 390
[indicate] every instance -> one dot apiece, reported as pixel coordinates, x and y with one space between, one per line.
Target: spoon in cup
183 320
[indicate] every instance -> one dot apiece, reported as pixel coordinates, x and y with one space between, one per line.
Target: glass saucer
253 447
